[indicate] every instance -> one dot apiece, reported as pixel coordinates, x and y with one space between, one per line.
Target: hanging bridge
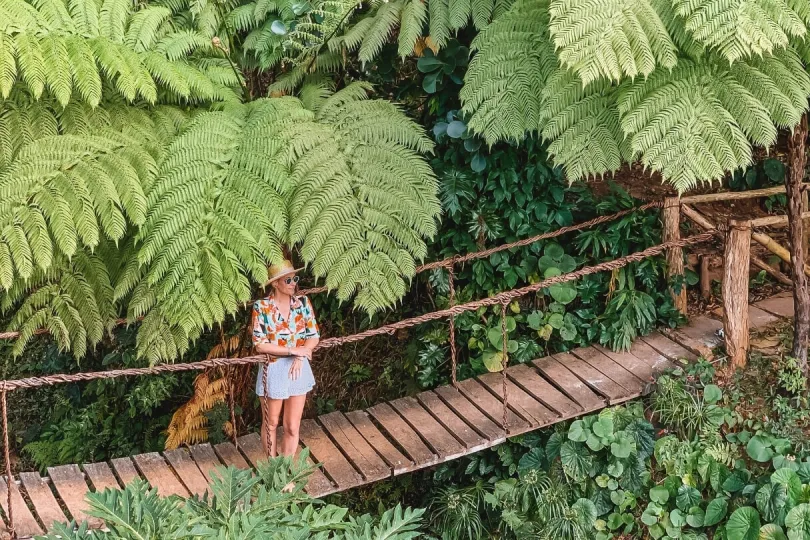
405 434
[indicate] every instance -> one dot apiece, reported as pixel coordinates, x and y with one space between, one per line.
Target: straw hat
276 271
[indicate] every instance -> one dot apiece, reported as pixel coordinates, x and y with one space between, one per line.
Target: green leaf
770 498
696 517
578 432
278 27
677 518
478 163
623 447
495 337
575 460
715 511
493 360
535 320
428 64
743 524
759 449
798 522
564 293
712 393
687 497
659 494
771 531
615 469
790 479
603 427
533 460
774 169
456 129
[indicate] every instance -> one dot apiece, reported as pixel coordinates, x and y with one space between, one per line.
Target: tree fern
609 38
742 28
694 124
376 198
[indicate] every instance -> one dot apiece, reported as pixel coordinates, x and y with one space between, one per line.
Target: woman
285 329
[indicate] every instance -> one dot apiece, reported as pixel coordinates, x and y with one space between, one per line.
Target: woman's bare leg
271 412
293 409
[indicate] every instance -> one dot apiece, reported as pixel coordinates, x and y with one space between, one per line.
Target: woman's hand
295 368
301 352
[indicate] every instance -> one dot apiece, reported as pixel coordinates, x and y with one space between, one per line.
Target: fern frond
503 87
439 22
386 21
144 27
414 17
55 63
583 127
113 17
482 12
8 65
609 38
739 29
85 15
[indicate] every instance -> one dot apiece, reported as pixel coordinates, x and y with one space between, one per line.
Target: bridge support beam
735 291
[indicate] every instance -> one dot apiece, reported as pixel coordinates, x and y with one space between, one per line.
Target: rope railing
503 299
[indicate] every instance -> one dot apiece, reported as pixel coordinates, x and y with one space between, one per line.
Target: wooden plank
491 406
229 455
159 475
251 446
398 462
540 389
700 335
206 459
464 408
318 484
100 476
631 362
187 470
361 454
42 499
598 382
25 524
649 355
470 438
781 306
402 434
441 441
667 347
569 384
614 371
528 408
757 317
335 464
71 486
125 470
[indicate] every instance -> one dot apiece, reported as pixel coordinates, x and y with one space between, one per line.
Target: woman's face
286 284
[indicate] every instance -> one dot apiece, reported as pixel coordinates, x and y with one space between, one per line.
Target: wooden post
735 291
672 231
797 161
705 278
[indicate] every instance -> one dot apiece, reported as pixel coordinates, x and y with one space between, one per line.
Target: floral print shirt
269 326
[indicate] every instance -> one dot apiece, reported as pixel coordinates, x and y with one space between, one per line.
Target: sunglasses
291 280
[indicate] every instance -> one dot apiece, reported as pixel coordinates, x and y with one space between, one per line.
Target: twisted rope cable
452 299
475 255
7 457
504 363
500 298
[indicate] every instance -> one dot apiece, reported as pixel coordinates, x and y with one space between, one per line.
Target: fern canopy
686 87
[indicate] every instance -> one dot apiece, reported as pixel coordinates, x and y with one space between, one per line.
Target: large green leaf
798 522
715 511
576 461
743 524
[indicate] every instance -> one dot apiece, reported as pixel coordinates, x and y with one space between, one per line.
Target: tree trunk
735 291
671 216
797 160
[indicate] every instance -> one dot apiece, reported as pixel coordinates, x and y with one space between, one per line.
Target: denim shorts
279 385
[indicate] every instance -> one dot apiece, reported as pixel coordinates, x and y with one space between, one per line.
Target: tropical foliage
238 504
136 181
709 473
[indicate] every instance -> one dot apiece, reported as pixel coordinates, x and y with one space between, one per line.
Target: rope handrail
500 298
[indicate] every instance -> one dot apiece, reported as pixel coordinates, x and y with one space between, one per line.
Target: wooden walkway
399 436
